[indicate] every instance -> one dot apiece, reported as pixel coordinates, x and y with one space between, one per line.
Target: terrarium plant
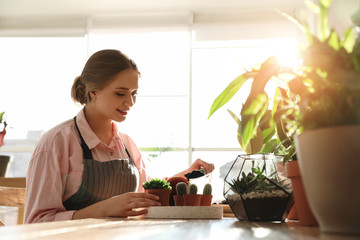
159 187
254 190
255 183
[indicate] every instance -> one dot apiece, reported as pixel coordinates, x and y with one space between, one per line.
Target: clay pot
205 200
292 214
192 199
178 200
164 195
304 213
173 181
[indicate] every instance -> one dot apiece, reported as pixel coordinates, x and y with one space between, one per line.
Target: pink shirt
56 167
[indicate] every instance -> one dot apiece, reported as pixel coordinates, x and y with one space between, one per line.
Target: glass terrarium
256 190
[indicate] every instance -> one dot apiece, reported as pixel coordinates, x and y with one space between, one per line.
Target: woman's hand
124 205
195 166
200 164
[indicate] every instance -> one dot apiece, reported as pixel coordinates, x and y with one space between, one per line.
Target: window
180 78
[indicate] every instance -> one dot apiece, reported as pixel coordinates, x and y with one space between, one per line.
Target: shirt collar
89 136
87 133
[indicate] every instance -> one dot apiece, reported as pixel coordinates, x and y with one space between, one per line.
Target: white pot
329 161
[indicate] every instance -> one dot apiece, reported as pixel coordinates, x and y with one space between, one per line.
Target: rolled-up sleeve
45 189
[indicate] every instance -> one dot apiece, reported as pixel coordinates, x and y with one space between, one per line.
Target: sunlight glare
261 232
287 52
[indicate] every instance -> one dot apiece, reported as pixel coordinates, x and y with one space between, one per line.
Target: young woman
85 167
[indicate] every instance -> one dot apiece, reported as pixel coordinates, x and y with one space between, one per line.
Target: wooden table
167 229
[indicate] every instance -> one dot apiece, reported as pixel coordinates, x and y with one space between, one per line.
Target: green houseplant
3 131
160 188
322 113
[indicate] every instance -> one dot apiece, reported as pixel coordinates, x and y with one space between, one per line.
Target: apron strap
86 150
127 152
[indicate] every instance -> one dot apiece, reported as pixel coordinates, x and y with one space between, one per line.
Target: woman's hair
98 72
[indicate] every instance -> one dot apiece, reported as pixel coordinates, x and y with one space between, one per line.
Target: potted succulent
207 195
191 198
181 189
160 188
254 190
322 112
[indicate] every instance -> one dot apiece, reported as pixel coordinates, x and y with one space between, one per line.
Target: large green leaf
349 40
233 115
324 19
255 106
325 3
269 146
334 40
250 118
266 121
228 93
312 6
255 144
268 134
1 116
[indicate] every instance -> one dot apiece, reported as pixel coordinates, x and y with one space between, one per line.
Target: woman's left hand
200 164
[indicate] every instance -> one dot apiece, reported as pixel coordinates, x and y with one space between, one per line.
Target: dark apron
102 180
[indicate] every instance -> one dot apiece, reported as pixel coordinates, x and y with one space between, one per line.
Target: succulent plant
156 183
181 188
257 182
207 189
193 189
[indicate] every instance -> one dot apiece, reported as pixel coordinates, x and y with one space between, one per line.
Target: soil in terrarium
265 209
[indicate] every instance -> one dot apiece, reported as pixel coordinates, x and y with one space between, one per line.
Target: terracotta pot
192 199
329 161
292 214
304 213
173 181
178 200
205 200
164 195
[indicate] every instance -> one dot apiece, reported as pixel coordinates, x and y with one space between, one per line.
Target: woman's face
115 100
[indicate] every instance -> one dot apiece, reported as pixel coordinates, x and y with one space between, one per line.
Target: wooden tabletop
169 229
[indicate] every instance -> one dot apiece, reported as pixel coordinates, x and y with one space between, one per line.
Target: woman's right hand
124 205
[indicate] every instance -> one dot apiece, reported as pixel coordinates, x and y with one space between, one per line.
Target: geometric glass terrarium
254 190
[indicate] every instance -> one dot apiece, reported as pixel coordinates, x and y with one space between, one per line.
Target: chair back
12 194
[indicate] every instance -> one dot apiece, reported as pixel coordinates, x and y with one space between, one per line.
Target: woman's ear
92 95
